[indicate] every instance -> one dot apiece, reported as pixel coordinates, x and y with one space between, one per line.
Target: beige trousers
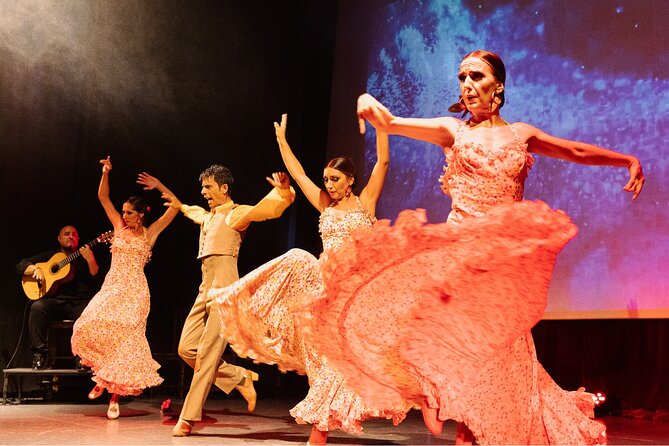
201 344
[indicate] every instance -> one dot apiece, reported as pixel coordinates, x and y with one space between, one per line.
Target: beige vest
217 238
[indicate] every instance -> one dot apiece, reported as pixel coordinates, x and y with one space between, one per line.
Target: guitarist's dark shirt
81 286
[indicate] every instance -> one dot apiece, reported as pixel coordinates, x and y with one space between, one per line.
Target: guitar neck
70 258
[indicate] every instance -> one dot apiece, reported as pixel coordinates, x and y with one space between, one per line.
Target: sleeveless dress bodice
129 256
478 178
336 225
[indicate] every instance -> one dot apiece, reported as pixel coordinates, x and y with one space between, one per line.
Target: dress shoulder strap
458 133
515 133
362 209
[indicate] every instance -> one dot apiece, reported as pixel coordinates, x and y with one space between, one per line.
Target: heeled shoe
317 437
247 390
96 392
114 410
433 424
183 428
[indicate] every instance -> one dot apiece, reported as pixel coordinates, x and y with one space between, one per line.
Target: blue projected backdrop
596 72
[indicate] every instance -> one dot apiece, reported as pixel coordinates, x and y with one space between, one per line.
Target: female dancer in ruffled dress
110 335
258 310
441 314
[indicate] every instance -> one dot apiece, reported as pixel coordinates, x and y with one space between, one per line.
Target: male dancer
221 231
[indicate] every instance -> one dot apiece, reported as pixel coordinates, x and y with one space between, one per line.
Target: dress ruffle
122 364
257 311
331 404
258 319
441 312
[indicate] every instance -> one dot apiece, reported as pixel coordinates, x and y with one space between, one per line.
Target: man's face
68 238
214 194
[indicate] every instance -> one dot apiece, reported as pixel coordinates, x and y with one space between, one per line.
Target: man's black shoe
79 367
39 361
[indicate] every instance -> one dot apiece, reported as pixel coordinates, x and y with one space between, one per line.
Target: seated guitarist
65 299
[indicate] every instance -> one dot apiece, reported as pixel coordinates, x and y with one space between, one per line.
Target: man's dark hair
221 175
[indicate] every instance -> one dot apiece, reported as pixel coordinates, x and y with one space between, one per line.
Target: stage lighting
599 398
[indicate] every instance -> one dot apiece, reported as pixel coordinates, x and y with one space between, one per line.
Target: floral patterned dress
258 319
110 335
442 312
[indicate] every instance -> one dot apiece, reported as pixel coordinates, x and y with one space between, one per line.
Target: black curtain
168 87
626 359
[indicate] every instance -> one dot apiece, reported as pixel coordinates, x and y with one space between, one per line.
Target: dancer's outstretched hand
279 179
635 184
106 164
149 182
374 112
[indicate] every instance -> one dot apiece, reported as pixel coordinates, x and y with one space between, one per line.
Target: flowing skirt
258 318
110 336
443 313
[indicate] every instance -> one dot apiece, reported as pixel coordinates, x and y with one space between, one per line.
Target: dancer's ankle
317 436
463 435
431 419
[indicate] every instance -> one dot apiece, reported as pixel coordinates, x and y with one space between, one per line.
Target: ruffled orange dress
258 318
442 312
110 335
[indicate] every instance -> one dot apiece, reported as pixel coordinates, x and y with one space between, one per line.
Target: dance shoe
430 419
247 390
39 361
183 428
166 406
317 437
79 367
96 392
114 411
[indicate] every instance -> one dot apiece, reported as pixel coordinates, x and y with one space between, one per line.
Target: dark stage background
169 87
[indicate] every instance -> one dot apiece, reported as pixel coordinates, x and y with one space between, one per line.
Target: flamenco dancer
222 229
257 312
110 335
440 315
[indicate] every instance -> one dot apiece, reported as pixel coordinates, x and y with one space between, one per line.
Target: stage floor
226 422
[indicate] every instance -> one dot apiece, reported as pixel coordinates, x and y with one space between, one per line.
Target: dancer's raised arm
103 195
316 196
370 194
150 182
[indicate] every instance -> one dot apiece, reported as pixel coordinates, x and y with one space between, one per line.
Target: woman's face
477 85
336 182
131 217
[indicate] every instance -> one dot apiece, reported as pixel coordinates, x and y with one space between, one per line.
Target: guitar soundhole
54 268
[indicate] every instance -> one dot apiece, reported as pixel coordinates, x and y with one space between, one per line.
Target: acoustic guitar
56 271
